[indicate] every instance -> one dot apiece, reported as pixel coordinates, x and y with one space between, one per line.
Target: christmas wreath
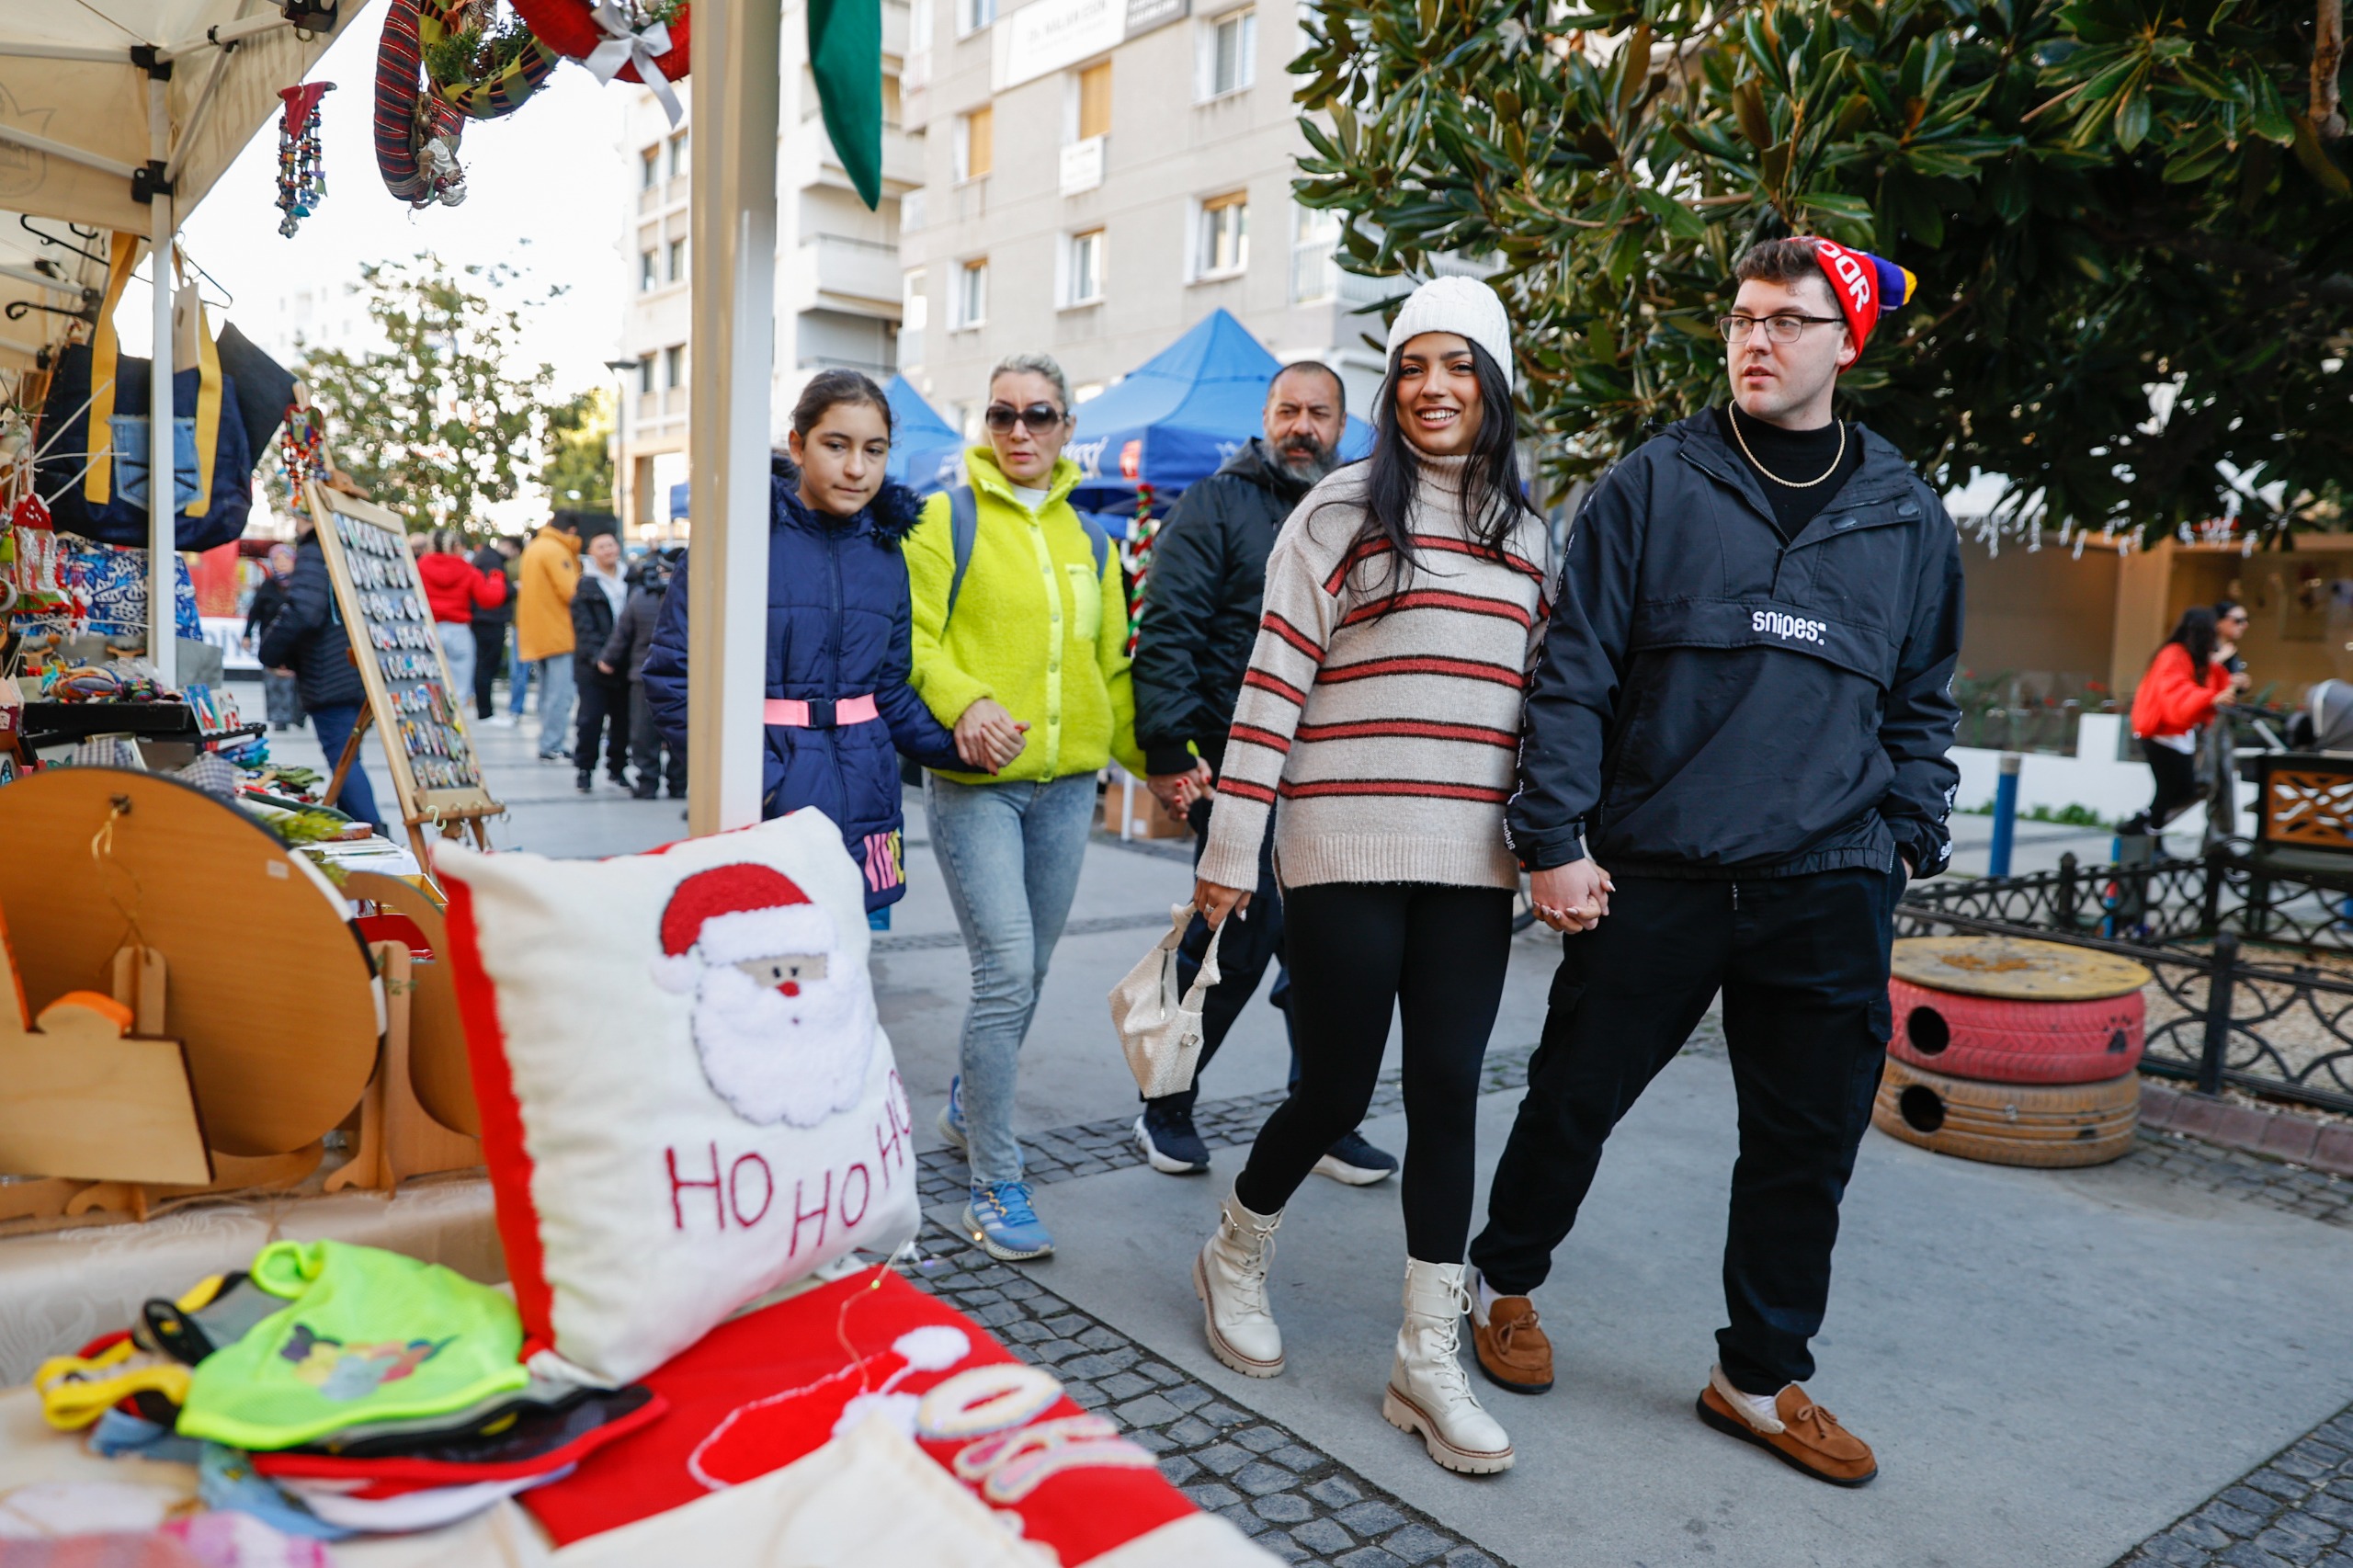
636 40
417 132
477 65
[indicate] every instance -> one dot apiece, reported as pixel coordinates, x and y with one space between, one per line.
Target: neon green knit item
366 1336
1036 627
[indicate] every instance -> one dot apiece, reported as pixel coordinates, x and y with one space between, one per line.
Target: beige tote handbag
1160 1026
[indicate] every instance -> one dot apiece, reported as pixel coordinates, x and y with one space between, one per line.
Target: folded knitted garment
365 1336
539 1442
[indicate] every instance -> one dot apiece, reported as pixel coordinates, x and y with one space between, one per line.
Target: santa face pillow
686 1098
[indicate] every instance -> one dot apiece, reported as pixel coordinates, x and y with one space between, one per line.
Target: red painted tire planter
2015 1042
406 115
570 27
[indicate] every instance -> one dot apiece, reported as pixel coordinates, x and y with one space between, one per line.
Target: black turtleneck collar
1776 456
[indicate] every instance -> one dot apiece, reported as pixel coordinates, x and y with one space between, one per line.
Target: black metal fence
2254 971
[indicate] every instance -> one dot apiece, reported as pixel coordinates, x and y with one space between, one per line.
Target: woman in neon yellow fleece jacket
1033 658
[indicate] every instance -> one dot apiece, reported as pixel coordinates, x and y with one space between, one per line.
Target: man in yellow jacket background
549 576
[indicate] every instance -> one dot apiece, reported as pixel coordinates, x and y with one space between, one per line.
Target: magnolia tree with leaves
441 420
2131 219
578 472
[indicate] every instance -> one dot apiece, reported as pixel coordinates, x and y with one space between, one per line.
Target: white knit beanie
1463 306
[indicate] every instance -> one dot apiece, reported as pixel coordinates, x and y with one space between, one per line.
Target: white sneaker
500 720
1429 1392
1229 1277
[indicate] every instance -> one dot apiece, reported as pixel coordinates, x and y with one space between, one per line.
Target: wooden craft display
436 1068
269 986
2014 969
87 1097
412 702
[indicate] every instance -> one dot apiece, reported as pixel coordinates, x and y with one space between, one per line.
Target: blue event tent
927 453
1179 414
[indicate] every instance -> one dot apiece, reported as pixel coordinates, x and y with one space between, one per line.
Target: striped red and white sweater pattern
1384 721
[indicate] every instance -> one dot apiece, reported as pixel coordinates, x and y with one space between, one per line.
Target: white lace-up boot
1229 1277
1429 1392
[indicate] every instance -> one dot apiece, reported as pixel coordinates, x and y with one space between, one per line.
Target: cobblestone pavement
2295 1511
2317 1195
1298 1502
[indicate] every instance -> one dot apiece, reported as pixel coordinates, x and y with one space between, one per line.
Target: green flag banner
845 56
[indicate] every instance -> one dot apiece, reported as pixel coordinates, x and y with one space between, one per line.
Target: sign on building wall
1046 36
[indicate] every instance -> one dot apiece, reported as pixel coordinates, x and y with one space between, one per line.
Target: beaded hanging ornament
301 176
301 450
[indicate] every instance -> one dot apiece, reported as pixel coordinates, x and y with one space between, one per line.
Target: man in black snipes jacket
1742 710
1201 604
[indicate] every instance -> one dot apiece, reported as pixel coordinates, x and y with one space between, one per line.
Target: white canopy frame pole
736 102
163 460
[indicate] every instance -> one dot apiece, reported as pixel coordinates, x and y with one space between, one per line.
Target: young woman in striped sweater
1404 601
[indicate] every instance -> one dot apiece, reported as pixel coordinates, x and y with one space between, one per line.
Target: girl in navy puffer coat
839 706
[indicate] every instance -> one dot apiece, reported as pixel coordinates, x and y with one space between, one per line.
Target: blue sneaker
999 1217
1355 1161
952 1118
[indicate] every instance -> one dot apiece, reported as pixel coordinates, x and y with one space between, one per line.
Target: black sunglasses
1040 417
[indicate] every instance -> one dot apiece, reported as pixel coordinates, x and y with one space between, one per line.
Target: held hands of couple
1178 791
987 737
1570 898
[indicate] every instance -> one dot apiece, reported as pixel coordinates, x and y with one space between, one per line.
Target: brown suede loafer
1810 1440
1511 1347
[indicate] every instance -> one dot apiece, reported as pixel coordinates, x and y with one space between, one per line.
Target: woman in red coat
2187 680
456 588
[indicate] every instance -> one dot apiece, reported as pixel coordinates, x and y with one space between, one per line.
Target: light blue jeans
458 652
1010 856
554 677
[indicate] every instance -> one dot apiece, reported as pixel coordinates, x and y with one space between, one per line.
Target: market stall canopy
1179 414
926 452
75 139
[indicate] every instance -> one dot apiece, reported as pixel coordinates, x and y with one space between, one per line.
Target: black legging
2177 777
1358 951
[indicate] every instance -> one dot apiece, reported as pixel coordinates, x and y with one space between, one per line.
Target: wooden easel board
415 708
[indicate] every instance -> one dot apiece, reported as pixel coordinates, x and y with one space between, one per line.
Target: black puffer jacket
1201 604
632 636
1712 701
593 617
307 635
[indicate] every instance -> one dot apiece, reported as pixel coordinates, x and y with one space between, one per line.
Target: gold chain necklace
1787 484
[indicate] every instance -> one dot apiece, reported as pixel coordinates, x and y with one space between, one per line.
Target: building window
674 366
646 276
1083 269
1229 54
1314 235
891 104
972 294
975 142
678 261
1224 245
678 155
645 375
919 27
649 169
971 16
1094 101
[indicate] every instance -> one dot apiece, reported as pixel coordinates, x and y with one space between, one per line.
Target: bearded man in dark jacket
1742 709
1201 604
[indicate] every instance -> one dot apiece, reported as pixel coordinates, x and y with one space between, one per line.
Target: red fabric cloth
765 1389
455 589
2170 701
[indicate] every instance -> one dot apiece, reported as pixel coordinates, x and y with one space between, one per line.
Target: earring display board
411 700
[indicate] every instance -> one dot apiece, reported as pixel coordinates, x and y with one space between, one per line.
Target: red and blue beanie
1867 287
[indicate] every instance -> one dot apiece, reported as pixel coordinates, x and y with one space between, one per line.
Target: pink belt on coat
819 715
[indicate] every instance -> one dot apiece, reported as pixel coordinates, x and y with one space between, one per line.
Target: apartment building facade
839 286
1098 175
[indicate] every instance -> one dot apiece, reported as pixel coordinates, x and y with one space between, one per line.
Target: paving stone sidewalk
2294 1511
1295 1501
